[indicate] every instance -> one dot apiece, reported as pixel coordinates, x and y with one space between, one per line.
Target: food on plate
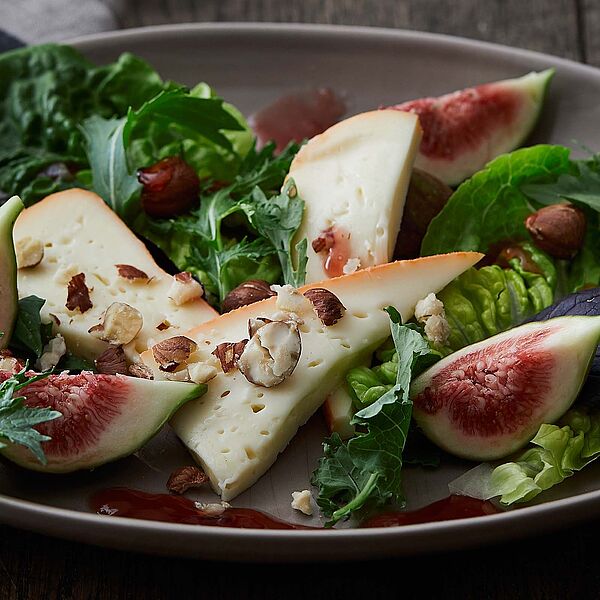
173 263
125 287
9 212
240 426
100 417
488 400
464 130
353 180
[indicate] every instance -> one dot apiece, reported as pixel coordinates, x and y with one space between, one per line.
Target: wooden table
560 565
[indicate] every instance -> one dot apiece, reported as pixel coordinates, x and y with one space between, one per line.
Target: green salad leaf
490 207
17 421
277 219
366 470
556 452
45 93
207 243
30 334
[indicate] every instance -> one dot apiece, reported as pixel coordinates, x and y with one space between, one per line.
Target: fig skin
489 399
426 197
170 188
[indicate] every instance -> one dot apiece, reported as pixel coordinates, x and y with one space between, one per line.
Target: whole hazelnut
170 187
558 229
249 292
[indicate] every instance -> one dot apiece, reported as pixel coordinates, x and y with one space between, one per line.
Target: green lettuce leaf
366 470
30 334
556 453
491 207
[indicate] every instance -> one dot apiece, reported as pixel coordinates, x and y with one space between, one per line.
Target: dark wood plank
590 25
543 25
560 565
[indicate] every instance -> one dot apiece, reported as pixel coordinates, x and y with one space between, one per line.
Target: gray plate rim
171 539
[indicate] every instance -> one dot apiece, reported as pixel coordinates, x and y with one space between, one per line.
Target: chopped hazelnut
120 324
272 354
131 273
289 299
229 353
184 289
140 370
326 304
173 352
184 478
53 351
29 252
78 294
112 361
249 292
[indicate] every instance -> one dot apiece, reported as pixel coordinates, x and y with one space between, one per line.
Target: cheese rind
237 429
353 179
81 234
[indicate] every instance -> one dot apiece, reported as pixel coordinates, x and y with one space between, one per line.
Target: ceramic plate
250 65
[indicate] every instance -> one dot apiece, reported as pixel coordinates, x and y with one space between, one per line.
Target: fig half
489 399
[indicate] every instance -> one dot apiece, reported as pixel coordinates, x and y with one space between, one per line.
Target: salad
411 271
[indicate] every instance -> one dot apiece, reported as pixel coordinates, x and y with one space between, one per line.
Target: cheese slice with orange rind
81 234
237 430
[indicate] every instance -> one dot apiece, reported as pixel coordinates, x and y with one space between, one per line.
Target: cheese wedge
237 429
353 179
81 234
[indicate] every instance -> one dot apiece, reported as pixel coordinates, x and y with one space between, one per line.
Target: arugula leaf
17 421
30 334
367 468
195 242
277 219
491 207
582 186
112 178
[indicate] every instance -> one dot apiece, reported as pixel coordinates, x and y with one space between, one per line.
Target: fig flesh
105 417
489 399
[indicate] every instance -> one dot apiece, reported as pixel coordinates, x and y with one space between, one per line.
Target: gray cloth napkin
38 21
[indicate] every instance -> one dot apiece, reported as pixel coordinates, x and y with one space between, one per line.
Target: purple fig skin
426 197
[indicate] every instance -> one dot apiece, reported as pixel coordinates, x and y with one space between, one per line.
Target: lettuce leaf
45 93
556 453
366 470
491 207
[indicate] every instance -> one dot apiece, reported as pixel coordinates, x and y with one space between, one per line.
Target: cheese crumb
302 501
289 299
29 252
54 350
352 265
212 509
430 311
427 307
437 329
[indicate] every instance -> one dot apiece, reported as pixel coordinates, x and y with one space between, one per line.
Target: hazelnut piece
140 370
170 187
120 324
131 273
558 229
326 304
185 288
184 478
78 294
272 354
112 361
172 352
228 354
249 292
